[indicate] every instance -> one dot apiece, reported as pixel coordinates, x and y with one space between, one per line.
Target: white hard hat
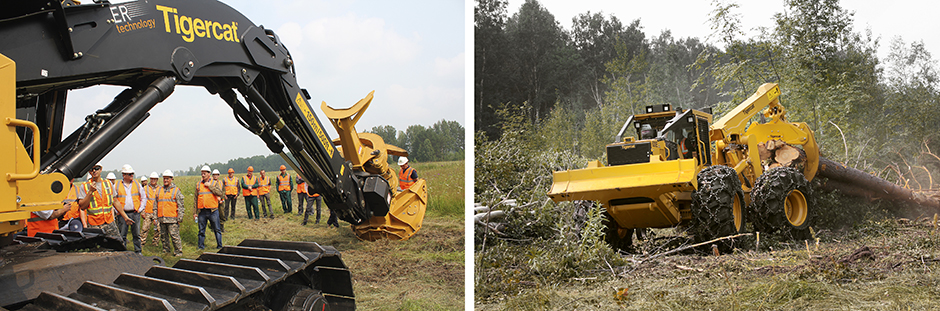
154 175
127 169
143 178
402 160
215 172
167 173
111 176
205 168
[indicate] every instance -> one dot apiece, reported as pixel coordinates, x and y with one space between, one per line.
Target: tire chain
768 197
712 203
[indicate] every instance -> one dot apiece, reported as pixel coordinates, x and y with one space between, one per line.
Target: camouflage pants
171 232
110 229
149 221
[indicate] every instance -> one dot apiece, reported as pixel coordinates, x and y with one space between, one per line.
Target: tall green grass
445 187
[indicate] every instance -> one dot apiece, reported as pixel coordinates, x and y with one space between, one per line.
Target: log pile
776 153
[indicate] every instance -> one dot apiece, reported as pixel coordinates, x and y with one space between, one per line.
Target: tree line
442 141
574 87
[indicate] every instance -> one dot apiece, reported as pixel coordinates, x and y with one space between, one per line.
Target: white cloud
452 68
349 41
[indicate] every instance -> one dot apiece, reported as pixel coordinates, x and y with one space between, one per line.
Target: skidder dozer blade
640 195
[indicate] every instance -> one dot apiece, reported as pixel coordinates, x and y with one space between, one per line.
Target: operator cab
665 135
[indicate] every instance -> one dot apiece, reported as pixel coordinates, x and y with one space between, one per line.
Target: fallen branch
695 245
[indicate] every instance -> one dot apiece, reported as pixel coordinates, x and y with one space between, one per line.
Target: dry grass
902 273
424 273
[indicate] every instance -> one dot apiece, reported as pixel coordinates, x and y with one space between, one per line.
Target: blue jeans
134 229
212 216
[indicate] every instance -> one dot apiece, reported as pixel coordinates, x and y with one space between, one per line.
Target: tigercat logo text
748 109
312 120
189 28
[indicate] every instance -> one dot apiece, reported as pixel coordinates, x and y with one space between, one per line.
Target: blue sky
412 53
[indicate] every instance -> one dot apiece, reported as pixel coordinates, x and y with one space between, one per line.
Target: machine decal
773 93
127 17
189 27
313 123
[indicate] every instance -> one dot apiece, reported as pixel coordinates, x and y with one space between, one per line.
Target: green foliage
443 141
270 163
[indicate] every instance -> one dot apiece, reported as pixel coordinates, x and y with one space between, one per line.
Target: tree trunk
855 182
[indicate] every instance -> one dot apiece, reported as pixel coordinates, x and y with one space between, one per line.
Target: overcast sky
912 20
412 53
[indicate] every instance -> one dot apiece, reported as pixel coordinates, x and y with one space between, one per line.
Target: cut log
786 154
873 185
765 154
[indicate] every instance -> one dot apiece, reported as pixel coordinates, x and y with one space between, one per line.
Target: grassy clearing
445 187
424 273
902 272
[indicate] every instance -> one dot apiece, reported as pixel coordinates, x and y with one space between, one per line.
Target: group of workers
117 207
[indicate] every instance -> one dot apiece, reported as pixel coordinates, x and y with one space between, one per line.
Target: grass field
424 273
884 263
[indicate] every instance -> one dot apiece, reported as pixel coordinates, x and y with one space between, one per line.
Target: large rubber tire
307 299
618 238
782 200
718 208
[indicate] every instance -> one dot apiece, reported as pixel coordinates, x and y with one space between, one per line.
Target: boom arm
151 47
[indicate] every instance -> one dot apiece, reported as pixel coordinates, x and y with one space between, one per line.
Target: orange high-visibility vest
135 194
71 201
283 182
151 199
264 186
250 182
99 207
206 198
404 178
35 224
166 202
231 185
302 187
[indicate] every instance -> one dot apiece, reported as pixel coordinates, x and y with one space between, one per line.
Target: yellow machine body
23 189
368 153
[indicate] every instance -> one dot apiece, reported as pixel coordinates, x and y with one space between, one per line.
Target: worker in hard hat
149 216
96 197
112 178
407 176
207 193
129 195
216 179
170 211
230 186
264 195
249 185
284 187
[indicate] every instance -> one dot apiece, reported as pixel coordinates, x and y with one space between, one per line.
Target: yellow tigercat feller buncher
369 153
712 177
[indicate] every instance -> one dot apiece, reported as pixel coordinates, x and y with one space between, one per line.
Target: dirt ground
889 264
